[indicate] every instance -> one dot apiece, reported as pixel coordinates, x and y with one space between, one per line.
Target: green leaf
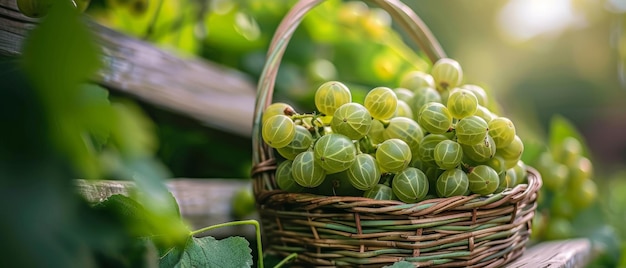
59 54
133 133
561 128
209 252
95 113
401 264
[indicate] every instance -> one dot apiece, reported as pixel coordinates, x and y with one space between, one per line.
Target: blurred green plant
570 202
63 128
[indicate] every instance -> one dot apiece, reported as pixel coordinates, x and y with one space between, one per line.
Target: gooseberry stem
384 122
357 145
301 116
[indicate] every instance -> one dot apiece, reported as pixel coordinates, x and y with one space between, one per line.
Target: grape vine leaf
401 264
207 251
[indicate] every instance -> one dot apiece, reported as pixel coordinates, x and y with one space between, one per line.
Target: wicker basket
460 231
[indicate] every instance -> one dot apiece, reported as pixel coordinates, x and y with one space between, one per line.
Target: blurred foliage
569 62
502 52
63 129
569 203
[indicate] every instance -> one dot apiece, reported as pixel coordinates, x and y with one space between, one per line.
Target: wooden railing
219 97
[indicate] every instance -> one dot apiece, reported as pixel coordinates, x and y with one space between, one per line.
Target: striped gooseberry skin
380 192
435 118
448 154
284 178
479 92
462 103
483 180
306 170
426 150
507 180
382 103
301 142
521 172
496 163
377 131
484 113
337 184
512 152
417 79
404 110
471 130
364 172
422 96
352 120
410 185
405 129
277 108
447 73
330 96
334 152
403 94
502 130
481 152
452 182
278 131
393 155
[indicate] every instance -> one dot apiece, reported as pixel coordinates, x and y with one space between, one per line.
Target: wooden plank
573 253
216 96
202 202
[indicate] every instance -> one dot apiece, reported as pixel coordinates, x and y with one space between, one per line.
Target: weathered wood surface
574 253
205 202
216 96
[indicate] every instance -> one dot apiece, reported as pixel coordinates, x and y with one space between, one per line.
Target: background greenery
537 58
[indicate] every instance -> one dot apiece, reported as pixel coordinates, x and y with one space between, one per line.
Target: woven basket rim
432 206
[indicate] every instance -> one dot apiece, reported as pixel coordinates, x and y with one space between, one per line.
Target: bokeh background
537 58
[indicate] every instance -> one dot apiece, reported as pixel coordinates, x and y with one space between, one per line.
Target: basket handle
407 19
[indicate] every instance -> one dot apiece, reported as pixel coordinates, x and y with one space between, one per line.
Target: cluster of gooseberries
568 189
431 137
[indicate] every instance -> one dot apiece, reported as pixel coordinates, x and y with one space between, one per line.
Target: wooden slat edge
573 253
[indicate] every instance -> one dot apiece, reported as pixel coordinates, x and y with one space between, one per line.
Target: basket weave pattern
459 231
